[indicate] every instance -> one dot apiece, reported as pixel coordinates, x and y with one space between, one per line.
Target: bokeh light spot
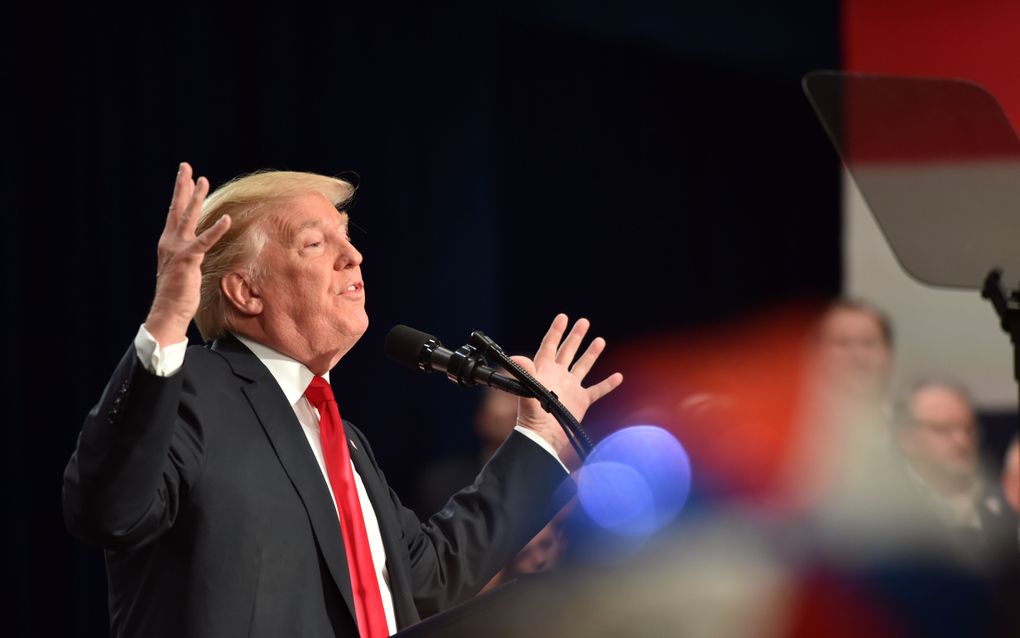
635 481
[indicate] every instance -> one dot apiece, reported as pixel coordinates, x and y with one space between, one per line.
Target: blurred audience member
1011 475
843 454
541 554
939 438
494 421
1011 484
855 349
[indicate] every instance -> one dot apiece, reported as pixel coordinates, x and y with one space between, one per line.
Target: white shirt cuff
162 362
531 434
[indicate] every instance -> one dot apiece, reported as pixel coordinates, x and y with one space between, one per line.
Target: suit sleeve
482 527
138 451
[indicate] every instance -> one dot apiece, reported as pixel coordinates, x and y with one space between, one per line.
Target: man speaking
229 494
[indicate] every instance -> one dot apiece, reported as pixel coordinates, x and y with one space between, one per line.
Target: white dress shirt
293 378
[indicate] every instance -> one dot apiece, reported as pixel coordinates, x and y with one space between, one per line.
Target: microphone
464 366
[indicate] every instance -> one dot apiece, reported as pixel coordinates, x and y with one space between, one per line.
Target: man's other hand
180 254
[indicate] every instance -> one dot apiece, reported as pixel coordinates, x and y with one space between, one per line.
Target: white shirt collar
292 376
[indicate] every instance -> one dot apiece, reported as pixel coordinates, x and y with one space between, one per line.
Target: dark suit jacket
217 521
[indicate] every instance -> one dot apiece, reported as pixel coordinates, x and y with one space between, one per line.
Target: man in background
939 437
494 420
1011 475
854 349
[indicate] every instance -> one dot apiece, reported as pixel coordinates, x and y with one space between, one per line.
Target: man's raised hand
180 254
552 367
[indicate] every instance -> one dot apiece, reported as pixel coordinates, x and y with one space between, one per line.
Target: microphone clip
462 364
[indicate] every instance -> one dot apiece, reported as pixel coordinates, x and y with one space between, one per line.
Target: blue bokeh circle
635 481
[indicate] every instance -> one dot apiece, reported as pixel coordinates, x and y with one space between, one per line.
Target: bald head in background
940 438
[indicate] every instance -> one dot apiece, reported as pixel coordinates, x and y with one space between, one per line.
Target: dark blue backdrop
649 164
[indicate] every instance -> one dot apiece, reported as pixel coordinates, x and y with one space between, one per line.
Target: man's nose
964 437
348 256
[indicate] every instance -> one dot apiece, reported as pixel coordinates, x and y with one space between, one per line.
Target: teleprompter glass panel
938 164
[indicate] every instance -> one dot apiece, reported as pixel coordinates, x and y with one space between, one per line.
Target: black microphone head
409 346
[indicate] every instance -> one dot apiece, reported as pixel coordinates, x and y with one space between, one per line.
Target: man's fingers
212 235
604 387
189 218
183 190
524 362
573 341
547 349
587 360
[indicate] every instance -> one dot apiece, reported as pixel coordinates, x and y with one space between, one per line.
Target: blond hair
248 199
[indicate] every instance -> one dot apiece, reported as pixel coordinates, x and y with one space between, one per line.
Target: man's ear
241 293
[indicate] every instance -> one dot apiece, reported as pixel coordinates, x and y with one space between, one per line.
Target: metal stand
550 403
1007 306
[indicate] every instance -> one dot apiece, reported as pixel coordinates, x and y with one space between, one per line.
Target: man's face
496 417
942 441
1011 477
541 554
853 350
309 280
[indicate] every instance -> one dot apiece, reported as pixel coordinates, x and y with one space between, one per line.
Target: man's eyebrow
313 223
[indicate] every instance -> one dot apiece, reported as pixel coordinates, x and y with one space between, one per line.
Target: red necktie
368 605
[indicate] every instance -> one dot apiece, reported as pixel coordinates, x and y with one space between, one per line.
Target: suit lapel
389 529
288 440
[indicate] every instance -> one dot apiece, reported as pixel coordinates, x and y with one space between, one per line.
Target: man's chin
352 331
363 326
960 475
